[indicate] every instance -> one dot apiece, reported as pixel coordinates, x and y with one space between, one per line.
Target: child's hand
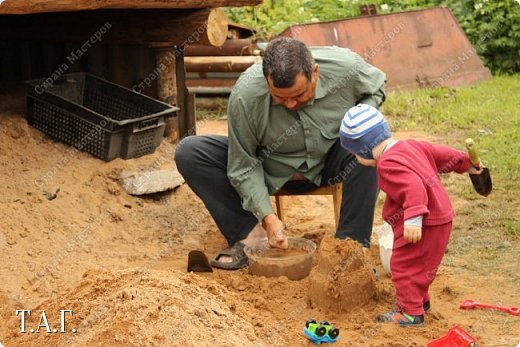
476 170
412 234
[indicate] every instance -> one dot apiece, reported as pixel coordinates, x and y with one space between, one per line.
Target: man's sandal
236 253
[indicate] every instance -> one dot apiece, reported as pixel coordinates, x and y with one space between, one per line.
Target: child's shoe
427 306
401 318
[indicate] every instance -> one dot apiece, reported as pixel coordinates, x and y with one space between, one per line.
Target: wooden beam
230 47
38 6
221 64
180 27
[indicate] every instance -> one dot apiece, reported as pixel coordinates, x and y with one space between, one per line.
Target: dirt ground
119 262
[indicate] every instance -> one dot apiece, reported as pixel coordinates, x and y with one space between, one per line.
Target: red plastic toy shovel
468 304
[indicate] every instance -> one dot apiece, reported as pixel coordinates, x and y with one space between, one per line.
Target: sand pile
342 279
138 308
50 238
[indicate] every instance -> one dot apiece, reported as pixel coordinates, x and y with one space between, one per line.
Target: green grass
490 114
211 108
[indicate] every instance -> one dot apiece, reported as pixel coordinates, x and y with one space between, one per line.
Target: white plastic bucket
386 243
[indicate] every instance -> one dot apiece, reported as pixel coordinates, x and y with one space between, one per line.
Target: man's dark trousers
202 161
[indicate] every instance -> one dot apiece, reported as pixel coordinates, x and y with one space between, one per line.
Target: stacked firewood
214 70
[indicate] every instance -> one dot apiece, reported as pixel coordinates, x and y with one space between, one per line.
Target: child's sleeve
414 221
449 159
405 187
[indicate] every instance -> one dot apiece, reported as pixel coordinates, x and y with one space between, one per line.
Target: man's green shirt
269 143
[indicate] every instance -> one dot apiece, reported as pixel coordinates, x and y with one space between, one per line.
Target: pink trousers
414 266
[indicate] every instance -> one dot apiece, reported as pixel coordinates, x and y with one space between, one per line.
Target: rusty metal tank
414 48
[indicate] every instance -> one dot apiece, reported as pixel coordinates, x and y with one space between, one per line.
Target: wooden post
184 122
165 69
191 114
166 79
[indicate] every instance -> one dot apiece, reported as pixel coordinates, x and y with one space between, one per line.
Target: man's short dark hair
285 58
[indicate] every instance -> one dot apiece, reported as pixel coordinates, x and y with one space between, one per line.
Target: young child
417 206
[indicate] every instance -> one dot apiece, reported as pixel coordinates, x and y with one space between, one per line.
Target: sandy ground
119 262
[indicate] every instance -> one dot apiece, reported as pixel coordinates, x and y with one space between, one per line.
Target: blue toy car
322 332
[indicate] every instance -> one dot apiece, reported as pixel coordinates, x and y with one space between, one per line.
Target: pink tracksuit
409 175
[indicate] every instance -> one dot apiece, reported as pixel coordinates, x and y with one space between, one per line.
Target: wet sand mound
342 279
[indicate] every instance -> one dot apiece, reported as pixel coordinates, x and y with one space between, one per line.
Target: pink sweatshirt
409 175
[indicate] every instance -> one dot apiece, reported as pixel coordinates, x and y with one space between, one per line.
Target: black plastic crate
96 116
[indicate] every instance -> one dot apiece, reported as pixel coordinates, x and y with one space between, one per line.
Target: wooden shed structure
138 44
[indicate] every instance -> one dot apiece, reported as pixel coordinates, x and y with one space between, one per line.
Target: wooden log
223 64
230 47
167 83
166 79
217 28
211 82
38 6
180 27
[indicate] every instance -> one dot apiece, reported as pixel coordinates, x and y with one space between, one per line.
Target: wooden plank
182 98
181 27
191 114
230 47
221 64
39 6
186 117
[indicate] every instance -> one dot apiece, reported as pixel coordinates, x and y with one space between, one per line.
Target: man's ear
315 72
269 81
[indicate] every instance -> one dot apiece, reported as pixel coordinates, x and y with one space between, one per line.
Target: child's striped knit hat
363 127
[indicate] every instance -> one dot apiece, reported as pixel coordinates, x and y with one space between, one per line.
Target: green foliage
493 27
274 16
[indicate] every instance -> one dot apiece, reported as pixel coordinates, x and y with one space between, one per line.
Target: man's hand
412 234
275 231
